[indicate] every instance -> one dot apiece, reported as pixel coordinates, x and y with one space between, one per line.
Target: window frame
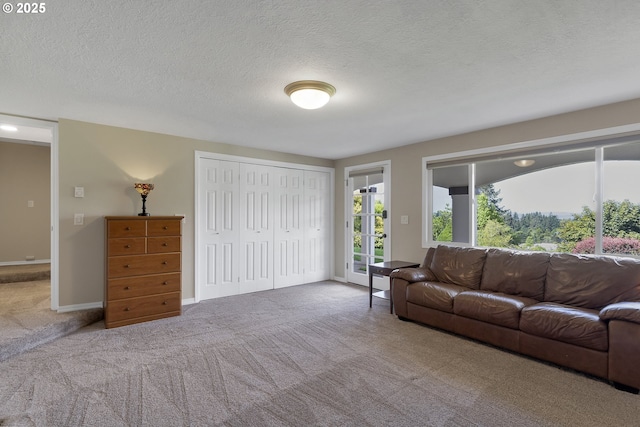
598 141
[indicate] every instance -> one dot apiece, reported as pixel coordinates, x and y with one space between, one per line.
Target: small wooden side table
385 269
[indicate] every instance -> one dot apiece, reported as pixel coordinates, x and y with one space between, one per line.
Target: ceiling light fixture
524 163
9 128
310 94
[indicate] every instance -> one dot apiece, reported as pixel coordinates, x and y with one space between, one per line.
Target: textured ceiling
405 71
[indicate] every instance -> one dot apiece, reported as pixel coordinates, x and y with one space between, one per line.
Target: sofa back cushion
515 273
426 262
592 281
459 266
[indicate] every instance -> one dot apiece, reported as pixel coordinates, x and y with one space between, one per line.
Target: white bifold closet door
256 227
218 228
317 226
260 227
289 229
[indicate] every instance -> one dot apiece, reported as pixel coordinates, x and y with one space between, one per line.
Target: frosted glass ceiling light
524 162
310 94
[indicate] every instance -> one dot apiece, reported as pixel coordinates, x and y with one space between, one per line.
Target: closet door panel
317 226
218 193
289 231
256 227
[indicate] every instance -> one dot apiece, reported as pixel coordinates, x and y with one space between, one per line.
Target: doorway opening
31 148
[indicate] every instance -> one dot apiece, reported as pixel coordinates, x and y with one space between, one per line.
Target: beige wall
406 172
25 174
106 161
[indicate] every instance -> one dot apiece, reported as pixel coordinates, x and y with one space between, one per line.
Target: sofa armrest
629 311
413 274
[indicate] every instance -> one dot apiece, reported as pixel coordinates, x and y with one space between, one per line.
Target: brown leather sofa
578 311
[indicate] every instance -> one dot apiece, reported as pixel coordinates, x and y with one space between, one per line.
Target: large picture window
580 199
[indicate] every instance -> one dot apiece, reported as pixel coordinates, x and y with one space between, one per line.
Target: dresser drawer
138 265
163 244
143 285
126 246
127 228
169 227
142 306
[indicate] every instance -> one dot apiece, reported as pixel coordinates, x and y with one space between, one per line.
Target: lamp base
144 214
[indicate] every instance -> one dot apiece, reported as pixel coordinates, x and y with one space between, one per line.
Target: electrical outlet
30 203
78 192
404 219
78 219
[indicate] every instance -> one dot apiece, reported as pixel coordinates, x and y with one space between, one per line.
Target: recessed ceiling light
524 163
9 128
310 94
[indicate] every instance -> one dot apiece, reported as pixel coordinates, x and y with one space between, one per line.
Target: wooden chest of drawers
143 269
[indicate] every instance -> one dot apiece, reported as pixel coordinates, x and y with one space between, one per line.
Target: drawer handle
127 266
126 288
127 228
165 228
127 246
164 244
164 303
165 282
126 309
164 262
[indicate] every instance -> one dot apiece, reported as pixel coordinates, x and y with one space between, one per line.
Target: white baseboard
340 279
76 307
37 261
88 306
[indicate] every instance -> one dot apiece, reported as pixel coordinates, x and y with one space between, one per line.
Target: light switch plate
404 219
78 219
78 192
30 203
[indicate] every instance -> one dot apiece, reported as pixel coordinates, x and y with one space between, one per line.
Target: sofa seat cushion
573 325
434 295
458 266
491 307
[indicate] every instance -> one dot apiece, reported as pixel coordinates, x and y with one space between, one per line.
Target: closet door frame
198 155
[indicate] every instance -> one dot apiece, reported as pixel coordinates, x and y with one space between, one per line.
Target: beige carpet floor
24 272
26 319
310 355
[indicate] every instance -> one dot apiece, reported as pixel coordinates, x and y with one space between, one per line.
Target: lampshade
524 163
310 94
143 188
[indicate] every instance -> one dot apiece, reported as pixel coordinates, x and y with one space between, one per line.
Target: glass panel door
368 225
